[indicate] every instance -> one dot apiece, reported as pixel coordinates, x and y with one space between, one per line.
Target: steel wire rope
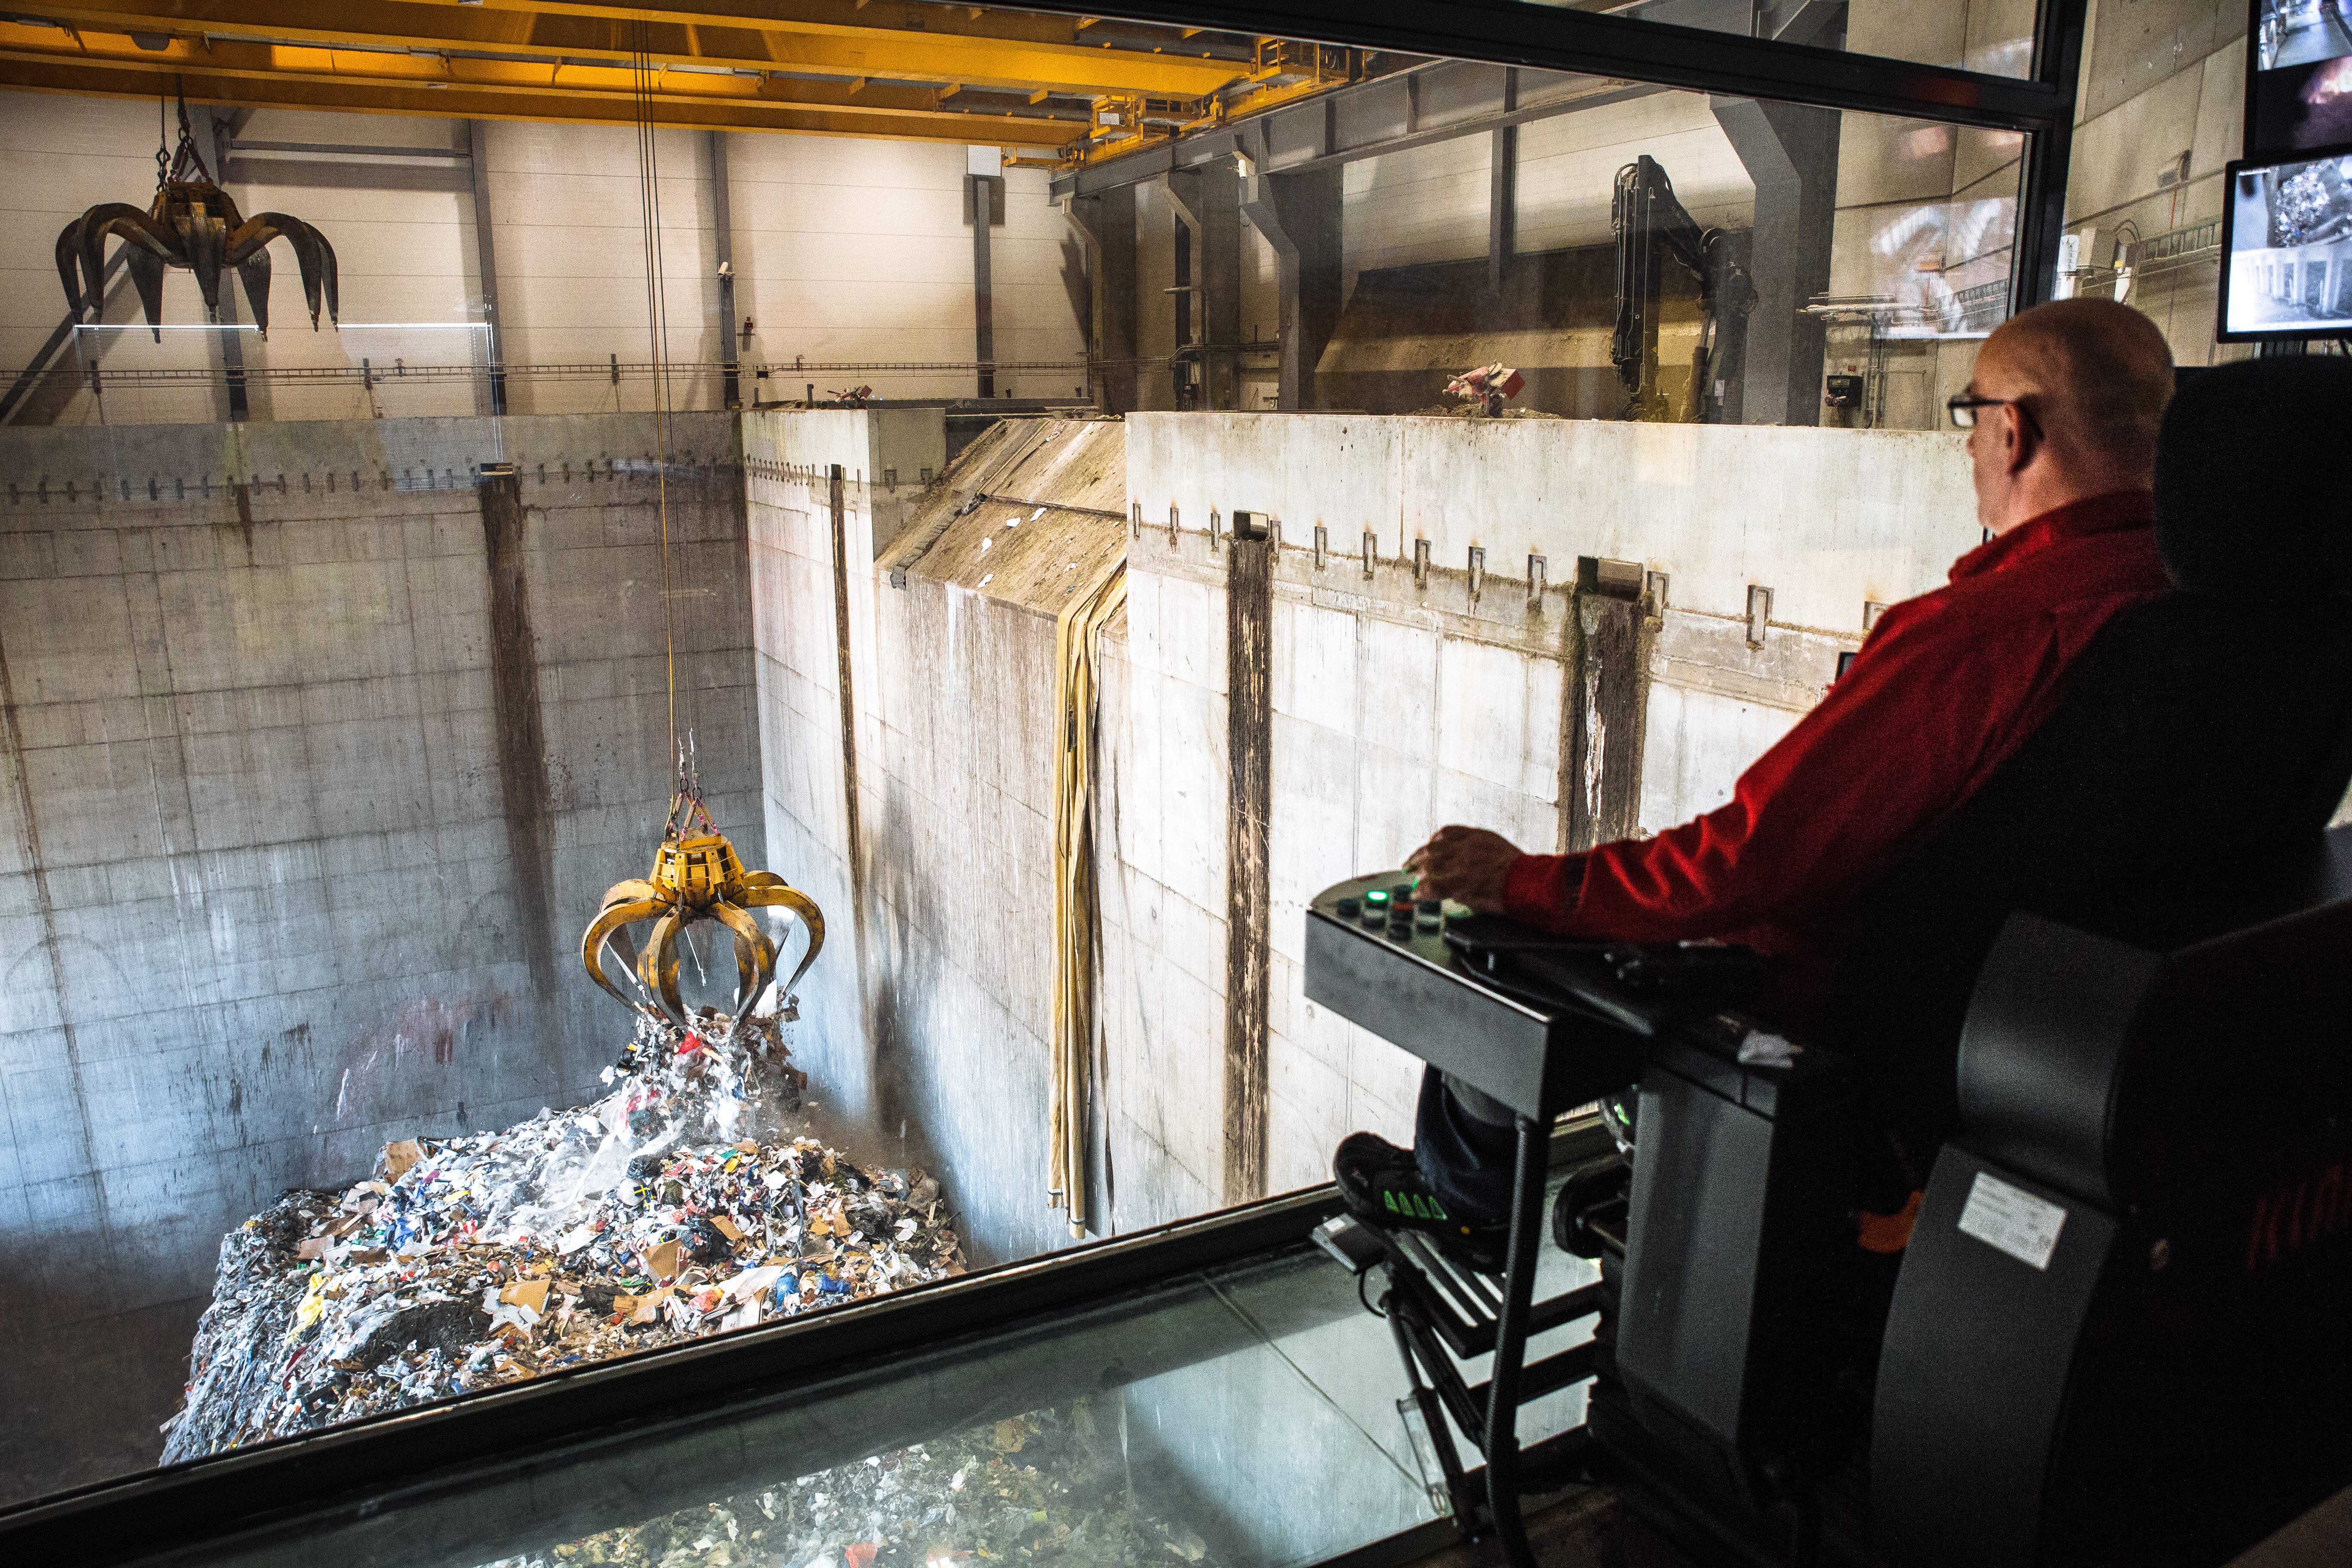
641 68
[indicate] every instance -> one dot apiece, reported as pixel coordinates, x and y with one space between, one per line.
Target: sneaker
1383 1187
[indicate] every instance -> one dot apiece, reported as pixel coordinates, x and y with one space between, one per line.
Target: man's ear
2019 439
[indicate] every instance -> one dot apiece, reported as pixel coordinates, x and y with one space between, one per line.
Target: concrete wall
2161 79
262 907
929 1022
844 250
1398 707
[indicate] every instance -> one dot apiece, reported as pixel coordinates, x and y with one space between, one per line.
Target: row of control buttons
1395 908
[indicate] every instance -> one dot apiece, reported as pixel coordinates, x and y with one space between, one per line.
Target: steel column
722 227
1502 191
1109 223
1790 151
980 196
477 142
2049 152
1299 215
209 142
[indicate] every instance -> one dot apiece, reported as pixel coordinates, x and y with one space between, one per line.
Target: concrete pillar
525 793
1299 215
1790 151
1108 221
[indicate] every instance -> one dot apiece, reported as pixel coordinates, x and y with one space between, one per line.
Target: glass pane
1184 1425
347 668
1994 36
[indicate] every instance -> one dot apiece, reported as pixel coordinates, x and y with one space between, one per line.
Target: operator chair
2103 1001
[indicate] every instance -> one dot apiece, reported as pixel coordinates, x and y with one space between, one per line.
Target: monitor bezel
2248 148
2230 172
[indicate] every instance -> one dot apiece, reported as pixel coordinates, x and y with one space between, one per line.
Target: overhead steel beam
884 38
1362 120
45 73
1547 38
371 70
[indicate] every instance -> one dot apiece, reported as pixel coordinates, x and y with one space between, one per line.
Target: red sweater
1945 689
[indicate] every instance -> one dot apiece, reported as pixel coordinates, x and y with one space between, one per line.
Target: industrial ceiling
1058 87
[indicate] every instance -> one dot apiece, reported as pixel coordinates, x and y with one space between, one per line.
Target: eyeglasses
1963 409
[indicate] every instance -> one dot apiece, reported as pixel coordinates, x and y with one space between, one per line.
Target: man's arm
1918 721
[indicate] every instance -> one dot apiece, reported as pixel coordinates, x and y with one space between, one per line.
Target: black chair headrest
2254 479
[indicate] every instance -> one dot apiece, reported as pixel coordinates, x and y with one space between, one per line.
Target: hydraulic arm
1653 228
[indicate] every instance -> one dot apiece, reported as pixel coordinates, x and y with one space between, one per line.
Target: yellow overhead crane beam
49 59
905 70
890 39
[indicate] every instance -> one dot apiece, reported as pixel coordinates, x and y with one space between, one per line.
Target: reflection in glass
1993 36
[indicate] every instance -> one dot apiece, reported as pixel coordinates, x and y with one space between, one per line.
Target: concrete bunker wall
1399 703
1399 700
265 898
934 1022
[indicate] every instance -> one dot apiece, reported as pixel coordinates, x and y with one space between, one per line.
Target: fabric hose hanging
1078 908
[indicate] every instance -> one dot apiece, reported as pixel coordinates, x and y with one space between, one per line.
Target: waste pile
655 1215
1050 1484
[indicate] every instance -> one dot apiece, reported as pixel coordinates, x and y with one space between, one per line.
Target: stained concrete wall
1398 707
930 1018
261 906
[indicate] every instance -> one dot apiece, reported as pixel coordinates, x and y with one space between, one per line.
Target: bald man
2061 415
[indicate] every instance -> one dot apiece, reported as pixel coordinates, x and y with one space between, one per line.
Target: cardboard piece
531 1293
398 1157
663 1260
725 1228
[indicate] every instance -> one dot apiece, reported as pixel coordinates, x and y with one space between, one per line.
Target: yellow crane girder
221 70
895 39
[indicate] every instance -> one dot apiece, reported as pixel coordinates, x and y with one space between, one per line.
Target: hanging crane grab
697 875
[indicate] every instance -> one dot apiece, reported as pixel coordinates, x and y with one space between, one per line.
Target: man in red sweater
2062 414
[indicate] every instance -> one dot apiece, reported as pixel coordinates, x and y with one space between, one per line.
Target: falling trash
644 1218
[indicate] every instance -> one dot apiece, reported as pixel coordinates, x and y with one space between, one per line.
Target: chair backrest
2201 739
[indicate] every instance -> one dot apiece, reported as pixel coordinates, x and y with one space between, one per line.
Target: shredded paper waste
650 1217
1050 1484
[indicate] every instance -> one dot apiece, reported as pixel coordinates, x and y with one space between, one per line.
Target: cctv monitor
2299 76
2286 248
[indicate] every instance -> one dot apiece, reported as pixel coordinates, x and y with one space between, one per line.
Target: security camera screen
2290 264
2302 74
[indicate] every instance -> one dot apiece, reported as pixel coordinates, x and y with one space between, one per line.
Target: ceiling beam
472 101
892 38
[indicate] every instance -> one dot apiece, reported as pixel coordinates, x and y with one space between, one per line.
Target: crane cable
643 75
